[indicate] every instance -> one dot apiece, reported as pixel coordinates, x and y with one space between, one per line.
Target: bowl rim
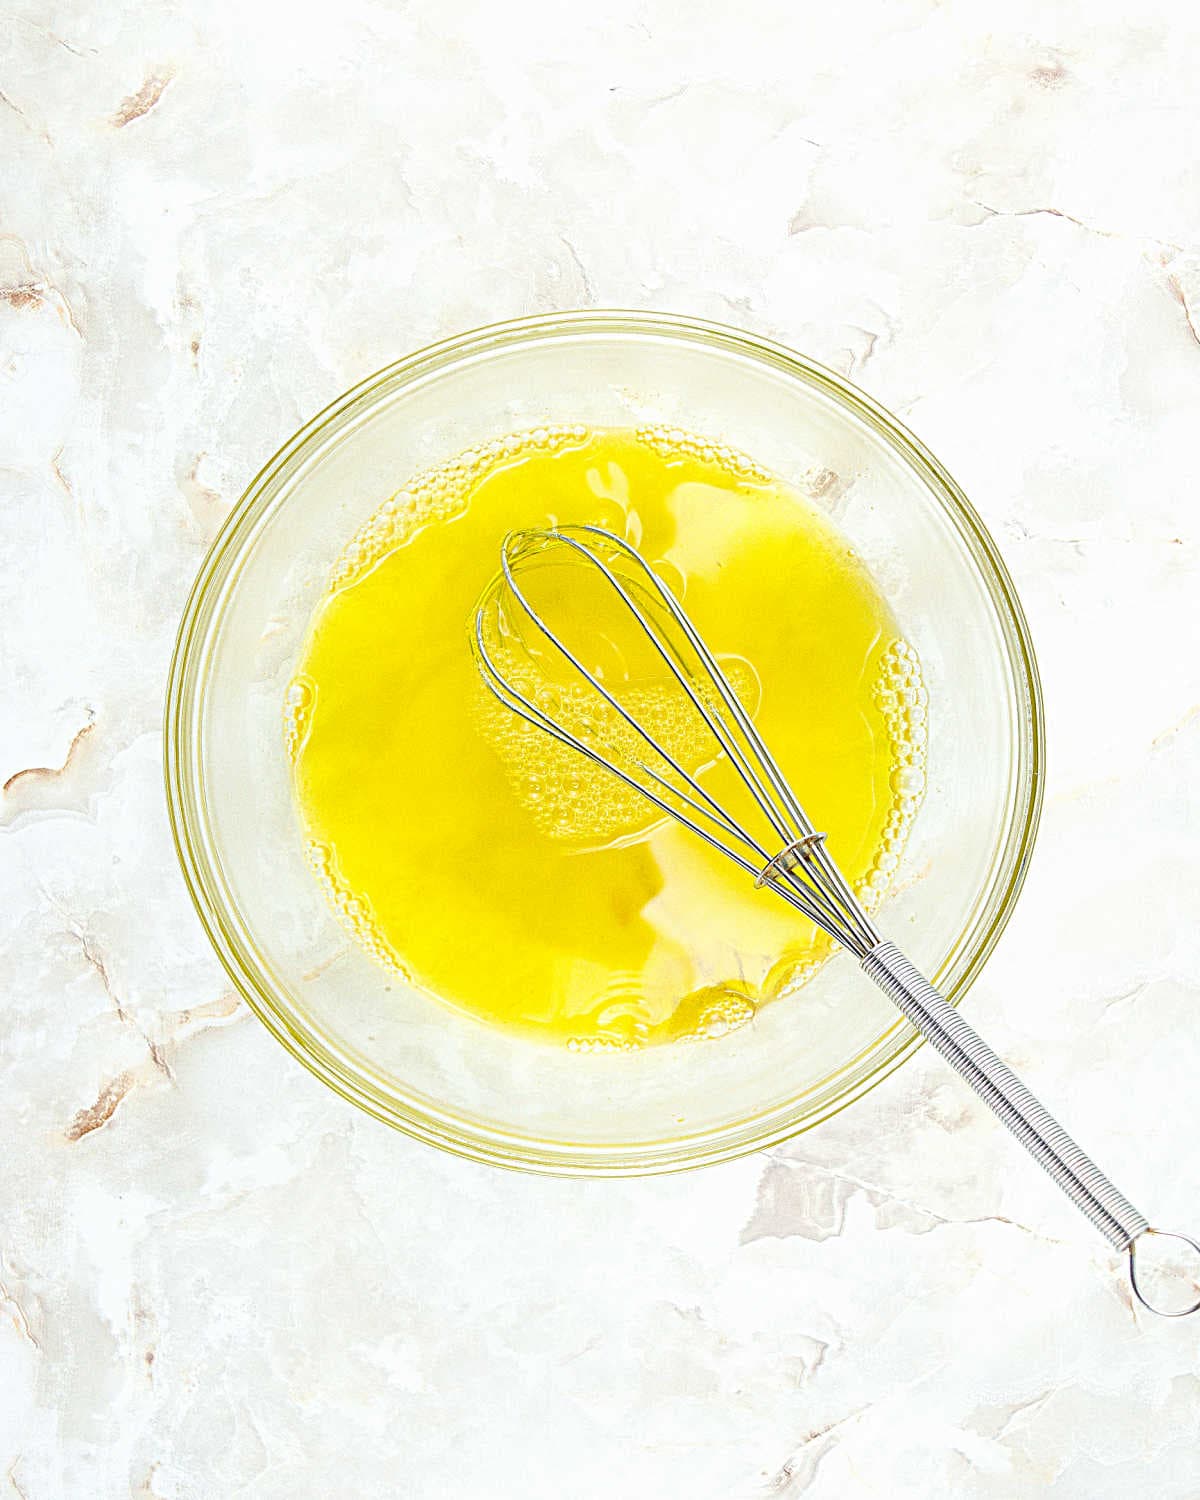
454 1132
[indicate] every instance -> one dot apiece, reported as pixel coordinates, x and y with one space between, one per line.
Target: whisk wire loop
811 884
513 699
519 594
828 887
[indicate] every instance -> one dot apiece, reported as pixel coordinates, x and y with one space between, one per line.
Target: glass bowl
476 1089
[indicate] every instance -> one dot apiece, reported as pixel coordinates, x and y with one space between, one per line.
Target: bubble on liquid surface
705 1015
440 493
298 704
353 910
571 798
902 699
676 443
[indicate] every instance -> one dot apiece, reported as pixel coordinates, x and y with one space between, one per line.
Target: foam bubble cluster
568 796
602 1044
705 1015
354 911
297 715
727 1011
675 442
440 493
902 699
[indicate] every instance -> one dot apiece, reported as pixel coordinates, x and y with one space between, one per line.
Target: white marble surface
217 1279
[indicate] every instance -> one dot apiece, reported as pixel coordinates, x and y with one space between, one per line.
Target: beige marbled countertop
218 1280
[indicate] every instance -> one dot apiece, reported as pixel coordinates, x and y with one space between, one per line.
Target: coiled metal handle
1007 1097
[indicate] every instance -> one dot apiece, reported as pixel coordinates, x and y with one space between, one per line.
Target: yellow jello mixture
505 874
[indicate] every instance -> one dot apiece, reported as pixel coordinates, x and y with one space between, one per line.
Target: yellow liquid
505 874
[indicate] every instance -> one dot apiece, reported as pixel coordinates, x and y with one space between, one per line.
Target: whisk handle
1005 1095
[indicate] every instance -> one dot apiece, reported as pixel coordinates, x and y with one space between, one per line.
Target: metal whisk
539 673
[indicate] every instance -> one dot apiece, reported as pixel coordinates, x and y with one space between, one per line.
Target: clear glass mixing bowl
460 1083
